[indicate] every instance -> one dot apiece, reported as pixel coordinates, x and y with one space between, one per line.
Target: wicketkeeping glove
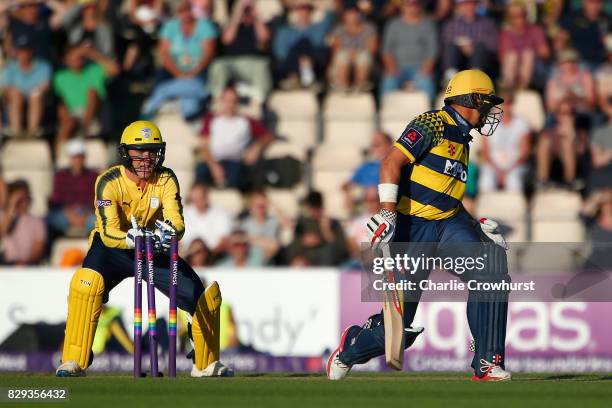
381 228
164 231
491 230
132 233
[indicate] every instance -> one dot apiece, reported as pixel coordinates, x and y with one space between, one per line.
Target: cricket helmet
141 135
474 89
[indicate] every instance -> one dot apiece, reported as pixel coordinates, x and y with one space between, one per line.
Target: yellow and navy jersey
117 198
433 184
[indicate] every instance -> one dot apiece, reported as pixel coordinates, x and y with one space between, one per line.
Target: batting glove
381 228
164 231
491 230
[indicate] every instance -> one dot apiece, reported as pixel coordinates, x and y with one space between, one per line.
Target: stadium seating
556 205
175 130
399 107
61 245
333 157
230 200
349 119
268 9
507 208
296 116
529 106
280 148
96 156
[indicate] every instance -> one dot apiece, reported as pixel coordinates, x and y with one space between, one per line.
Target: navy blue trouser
116 264
486 312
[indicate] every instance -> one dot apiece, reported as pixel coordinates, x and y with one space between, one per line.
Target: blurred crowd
73 70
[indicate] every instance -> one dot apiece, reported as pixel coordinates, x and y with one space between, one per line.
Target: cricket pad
205 326
84 307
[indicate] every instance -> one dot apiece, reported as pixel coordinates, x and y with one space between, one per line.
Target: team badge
451 149
411 137
154 202
146 133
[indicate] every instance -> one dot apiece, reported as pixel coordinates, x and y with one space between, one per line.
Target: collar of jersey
461 122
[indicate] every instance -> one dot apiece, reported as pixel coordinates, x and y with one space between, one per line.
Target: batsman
140 187
422 183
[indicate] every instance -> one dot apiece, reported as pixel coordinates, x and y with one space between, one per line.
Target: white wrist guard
387 192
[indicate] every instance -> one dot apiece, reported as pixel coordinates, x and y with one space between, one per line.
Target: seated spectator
22 235
263 228
71 211
84 24
504 156
26 20
353 44
206 221
563 140
25 81
144 18
521 47
241 253
367 174
409 51
597 210
601 157
81 87
603 82
468 40
587 29
198 254
318 239
356 231
230 143
300 47
570 81
244 41
186 48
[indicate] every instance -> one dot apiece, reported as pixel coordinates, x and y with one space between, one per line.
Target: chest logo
411 137
154 202
451 149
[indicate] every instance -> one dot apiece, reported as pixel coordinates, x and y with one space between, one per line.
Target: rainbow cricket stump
172 311
151 304
138 306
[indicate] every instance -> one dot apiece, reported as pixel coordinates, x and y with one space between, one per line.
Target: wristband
387 192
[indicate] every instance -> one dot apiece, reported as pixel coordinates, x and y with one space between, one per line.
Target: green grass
410 390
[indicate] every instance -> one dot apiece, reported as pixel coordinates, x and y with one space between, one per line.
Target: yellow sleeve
172 207
107 201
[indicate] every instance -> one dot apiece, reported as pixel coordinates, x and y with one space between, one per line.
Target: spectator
25 81
318 239
84 24
186 47
468 40
198 254
367 174
353 43
601 157
563 140
300 48
522 46
570 81
505 155
356 232
230 143
598 210
604 82
26 20
261 227
587 30
208 222
144 18
241 254
410 48
71 211
22 235
81 87
244 40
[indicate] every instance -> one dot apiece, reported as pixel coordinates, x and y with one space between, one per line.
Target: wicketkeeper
142 188
422 183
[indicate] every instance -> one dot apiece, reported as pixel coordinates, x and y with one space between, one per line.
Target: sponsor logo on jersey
154 202
411 137
455 169
451 149
103 203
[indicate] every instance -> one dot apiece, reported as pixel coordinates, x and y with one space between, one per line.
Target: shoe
336 369
492 372
214 369
69 369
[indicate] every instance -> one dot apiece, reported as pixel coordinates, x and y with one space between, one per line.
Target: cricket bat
393 316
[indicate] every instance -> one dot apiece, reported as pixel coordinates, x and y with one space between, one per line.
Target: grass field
409 390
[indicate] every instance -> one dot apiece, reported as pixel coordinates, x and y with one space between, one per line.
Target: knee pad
84 307
205 326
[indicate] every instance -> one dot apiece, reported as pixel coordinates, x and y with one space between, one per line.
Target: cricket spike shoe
214 369
336 369
491 372
69 369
